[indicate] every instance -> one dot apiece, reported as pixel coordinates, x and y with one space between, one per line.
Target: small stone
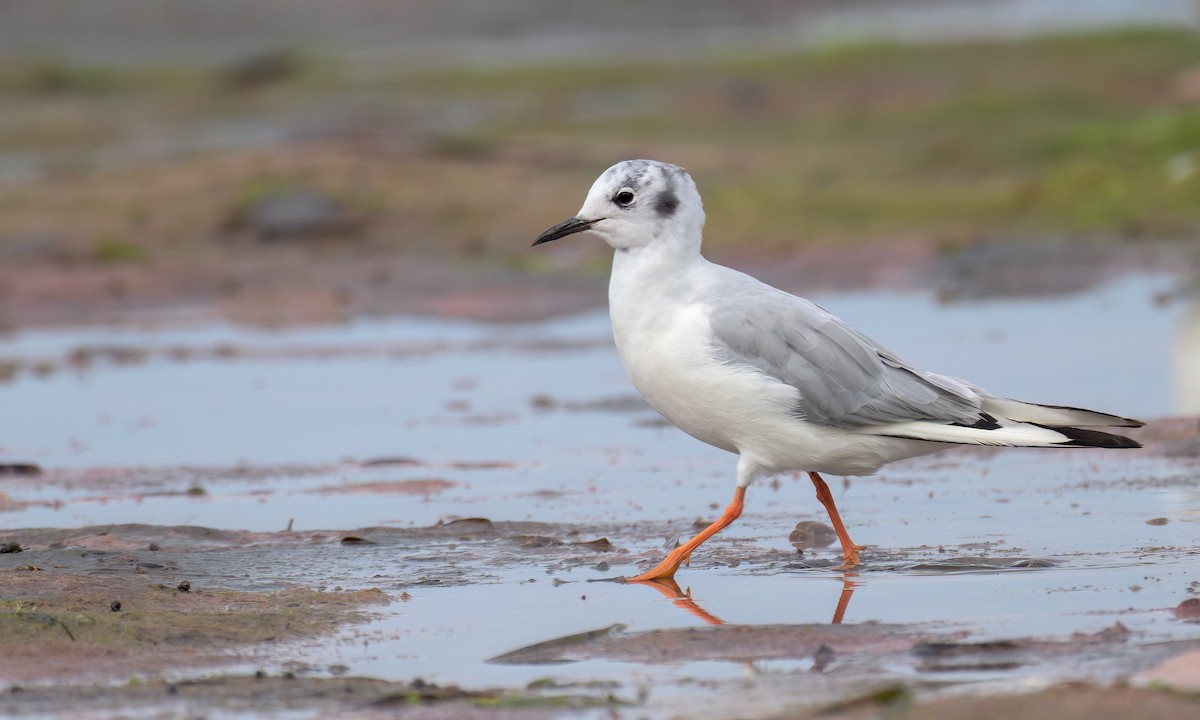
823 657
1157 521
185 586
811 534
1188 610
115 606
600 544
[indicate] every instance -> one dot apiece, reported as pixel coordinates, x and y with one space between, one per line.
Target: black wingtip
1127 422
985 422
1079 437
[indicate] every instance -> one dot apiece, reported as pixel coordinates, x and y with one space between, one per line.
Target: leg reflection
669 589
849 583
680 599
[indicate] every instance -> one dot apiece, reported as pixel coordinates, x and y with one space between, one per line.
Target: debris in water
20 469
354 540
386 461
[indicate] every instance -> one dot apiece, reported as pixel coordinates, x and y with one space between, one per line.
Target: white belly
672 363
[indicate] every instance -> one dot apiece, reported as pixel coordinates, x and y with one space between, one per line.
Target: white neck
643 276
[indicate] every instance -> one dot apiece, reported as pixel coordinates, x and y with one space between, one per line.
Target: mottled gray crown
661 178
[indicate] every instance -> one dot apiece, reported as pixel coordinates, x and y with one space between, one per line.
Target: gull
772 377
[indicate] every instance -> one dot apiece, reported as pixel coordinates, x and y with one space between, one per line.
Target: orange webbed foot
665 570
682 555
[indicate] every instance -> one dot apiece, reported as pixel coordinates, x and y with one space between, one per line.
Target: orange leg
681 554
849 549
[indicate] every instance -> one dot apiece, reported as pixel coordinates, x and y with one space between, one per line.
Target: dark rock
262 70
1188 610
19 469
294 215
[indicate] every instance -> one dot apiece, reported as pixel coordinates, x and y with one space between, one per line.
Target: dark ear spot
666 203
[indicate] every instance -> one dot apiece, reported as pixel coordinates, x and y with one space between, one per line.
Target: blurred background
289 161
266 264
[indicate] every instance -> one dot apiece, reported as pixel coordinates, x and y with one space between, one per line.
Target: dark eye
623 198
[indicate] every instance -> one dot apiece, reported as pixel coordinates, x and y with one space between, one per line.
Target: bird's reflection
849 583
670 589
679 598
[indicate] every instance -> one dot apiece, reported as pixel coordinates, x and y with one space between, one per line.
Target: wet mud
288 694
130 616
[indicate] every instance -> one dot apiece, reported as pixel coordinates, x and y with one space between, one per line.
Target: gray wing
844 379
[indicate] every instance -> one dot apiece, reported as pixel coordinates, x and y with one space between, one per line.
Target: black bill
565 228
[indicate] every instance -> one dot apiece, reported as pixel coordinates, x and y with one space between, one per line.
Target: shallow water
250 430
215 394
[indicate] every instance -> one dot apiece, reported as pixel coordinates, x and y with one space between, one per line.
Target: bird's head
639 203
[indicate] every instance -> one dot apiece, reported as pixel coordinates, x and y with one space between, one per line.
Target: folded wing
845 380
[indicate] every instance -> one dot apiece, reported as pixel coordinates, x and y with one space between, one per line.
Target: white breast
670 358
